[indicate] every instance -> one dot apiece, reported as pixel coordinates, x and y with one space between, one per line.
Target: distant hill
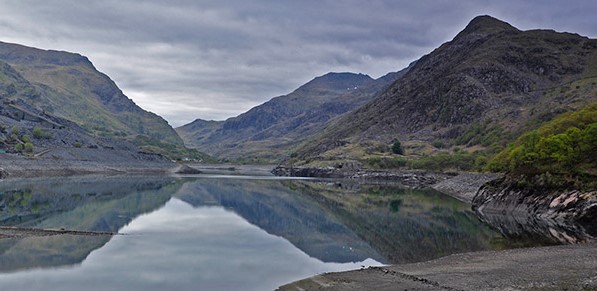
482 89
269 130
69 86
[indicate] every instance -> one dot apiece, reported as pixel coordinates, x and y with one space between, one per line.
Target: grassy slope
80 93
69 86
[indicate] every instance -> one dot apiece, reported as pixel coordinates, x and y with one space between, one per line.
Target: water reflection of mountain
529 230
279 210
337 222
83 203
404 225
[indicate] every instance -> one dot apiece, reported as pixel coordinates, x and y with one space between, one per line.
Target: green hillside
68 85
565 147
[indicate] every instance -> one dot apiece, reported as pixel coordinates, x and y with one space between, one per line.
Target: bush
28 147
77 144
25 138
438 144
462 161
40 133
397 148
386 163
15 130
19 147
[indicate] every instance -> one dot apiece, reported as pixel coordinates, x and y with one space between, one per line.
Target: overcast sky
214 59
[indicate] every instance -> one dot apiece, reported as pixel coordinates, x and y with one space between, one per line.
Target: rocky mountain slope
482 89
69 86
270 129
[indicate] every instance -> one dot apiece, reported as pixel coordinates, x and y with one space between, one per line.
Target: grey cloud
214 59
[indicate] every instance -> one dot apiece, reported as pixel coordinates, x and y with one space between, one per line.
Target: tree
397 148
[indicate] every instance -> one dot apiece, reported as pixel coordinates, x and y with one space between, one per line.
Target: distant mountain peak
338 81
487 24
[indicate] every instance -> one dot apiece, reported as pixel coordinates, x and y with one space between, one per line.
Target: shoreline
411 178
553 268
12 166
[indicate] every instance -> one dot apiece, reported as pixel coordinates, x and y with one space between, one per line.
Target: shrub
25 138
28 147
19 147
463 161
15 130
40 133
77 144
438 144
397 148
386 163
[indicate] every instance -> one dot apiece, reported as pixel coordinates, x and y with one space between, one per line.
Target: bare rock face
566 208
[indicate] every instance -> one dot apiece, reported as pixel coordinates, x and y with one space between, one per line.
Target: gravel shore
569 267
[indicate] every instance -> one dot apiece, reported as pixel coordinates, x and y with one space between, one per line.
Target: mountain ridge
270 129
491 76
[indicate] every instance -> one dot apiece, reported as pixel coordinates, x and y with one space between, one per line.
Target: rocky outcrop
464 187
561 207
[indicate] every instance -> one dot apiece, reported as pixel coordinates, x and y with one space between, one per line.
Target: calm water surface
221 233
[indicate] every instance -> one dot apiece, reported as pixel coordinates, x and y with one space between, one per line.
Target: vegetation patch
562 151
172 151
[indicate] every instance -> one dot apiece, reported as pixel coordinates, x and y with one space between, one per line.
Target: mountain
480 90
267 131
69 86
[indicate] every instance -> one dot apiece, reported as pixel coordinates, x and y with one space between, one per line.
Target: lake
223 232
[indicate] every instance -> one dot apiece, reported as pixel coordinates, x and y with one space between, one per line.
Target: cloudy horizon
216 59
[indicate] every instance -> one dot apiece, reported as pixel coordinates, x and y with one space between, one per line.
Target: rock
184 169
464 186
